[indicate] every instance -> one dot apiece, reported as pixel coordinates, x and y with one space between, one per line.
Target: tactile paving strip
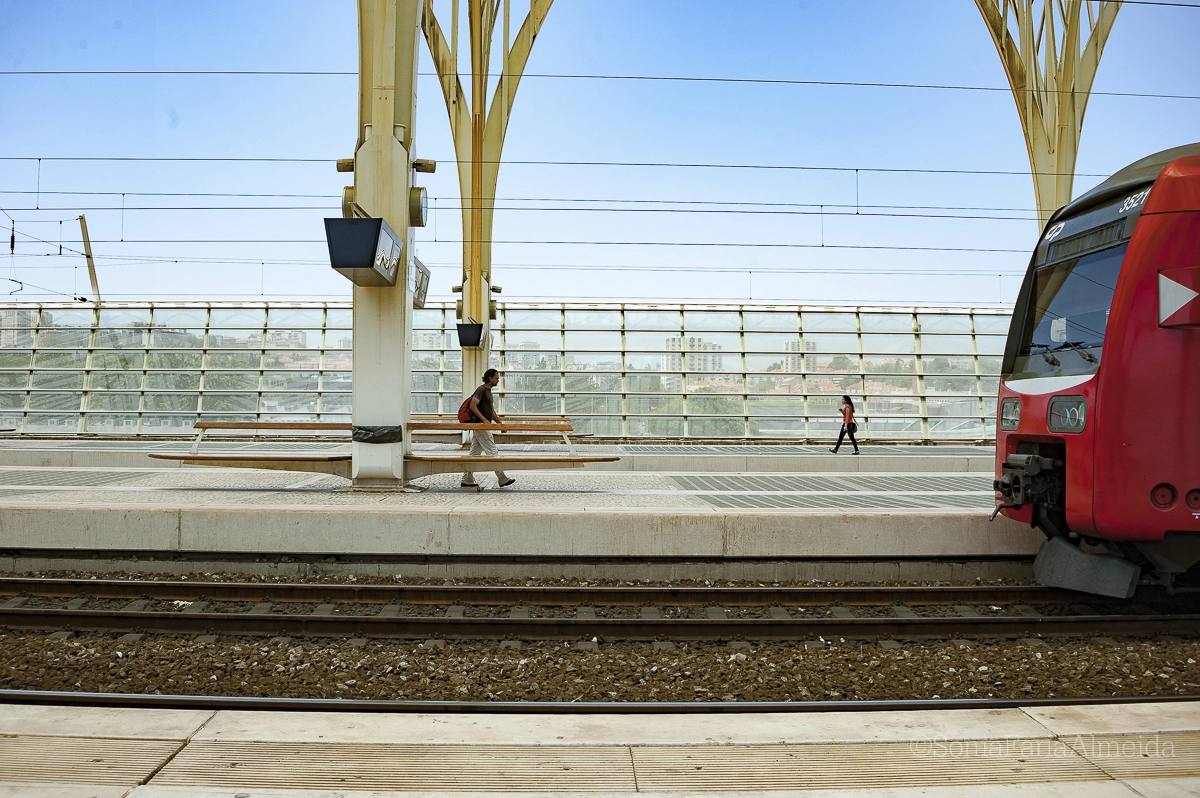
807 483
864 765
463 768
75 760
1141 756
847 501
66 477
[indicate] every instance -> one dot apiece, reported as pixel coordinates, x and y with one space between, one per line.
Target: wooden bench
417 465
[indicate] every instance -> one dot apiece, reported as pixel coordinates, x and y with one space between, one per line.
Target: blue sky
154 253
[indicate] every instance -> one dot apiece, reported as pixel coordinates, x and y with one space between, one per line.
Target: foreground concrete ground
1149 750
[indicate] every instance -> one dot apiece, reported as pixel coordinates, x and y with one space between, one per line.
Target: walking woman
849 425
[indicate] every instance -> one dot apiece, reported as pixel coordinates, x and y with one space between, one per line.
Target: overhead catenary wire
709 79
637 164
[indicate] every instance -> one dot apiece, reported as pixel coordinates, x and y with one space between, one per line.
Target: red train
1098 421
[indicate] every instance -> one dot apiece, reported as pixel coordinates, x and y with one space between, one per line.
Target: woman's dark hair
848 401
487 375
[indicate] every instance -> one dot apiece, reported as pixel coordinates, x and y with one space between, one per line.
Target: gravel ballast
555 671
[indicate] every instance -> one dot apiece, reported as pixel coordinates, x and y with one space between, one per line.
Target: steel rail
548 596
206 702
376 626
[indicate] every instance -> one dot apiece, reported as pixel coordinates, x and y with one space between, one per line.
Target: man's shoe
508 482
856 451
833 450
468 485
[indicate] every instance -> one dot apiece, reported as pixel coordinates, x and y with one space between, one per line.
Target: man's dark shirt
486 408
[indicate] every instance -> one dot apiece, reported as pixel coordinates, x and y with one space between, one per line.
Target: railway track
577 613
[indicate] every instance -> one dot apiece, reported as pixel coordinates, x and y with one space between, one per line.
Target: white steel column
388 31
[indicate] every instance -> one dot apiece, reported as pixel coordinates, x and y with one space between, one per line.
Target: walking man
482 410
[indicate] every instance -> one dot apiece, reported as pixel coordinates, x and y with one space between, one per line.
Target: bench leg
570 444
196 443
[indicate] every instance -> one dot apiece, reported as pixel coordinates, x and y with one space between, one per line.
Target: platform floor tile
82 760
401 767
918 764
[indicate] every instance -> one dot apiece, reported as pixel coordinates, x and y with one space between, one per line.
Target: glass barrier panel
956 428
294 359
717 427
122 339
654 383
288 403
230 381
108 400
228 402
68 318
177 339
593 382
593 319
833 384
428 319
900 344
947 344
593 361
773 342
58 379
337 403
14 379
237 317
48 422
55 401
701 404
593 404
602 426
646 405
990 344
65 339
426 382
829 322
232 360
542 340
821 364
336 381
290 381
235 339
174 360
166 425
892 385
780 383
651 341
430 340
18 318
339 318
943 323
111 423
339 339
890 364
118 361
312 318
16 339
989 386
886 322
989 365
712 361
14 359
526 360
830 343
594 340
114 381
422 361
531 404
452 360
772 321
422 404
293 339
951 385
180 317
952 406
535 383
892 406
714 383
532 319
905 428
652 320
778 427
989 406
992 325
12 401
172 402
947 365
829 405
697 320
654 427
779 364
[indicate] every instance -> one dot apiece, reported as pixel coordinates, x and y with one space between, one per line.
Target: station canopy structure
617 370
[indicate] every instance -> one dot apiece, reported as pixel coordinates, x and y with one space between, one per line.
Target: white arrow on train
1172 296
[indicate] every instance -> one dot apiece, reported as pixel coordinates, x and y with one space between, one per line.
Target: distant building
801 357
701 355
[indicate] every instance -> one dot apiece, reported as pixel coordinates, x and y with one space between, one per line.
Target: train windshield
1064 329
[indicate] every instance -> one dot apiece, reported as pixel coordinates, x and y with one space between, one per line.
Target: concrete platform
679 458
1094 751
783 517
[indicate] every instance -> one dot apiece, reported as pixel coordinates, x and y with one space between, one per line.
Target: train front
1089 375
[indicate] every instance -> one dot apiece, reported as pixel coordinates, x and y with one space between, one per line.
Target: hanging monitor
365 251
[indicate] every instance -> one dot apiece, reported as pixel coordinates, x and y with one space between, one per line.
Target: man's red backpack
464 411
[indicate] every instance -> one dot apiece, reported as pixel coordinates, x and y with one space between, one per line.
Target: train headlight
1067 414
1010 413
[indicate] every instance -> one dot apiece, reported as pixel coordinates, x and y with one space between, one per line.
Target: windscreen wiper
1049 358
1078 347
